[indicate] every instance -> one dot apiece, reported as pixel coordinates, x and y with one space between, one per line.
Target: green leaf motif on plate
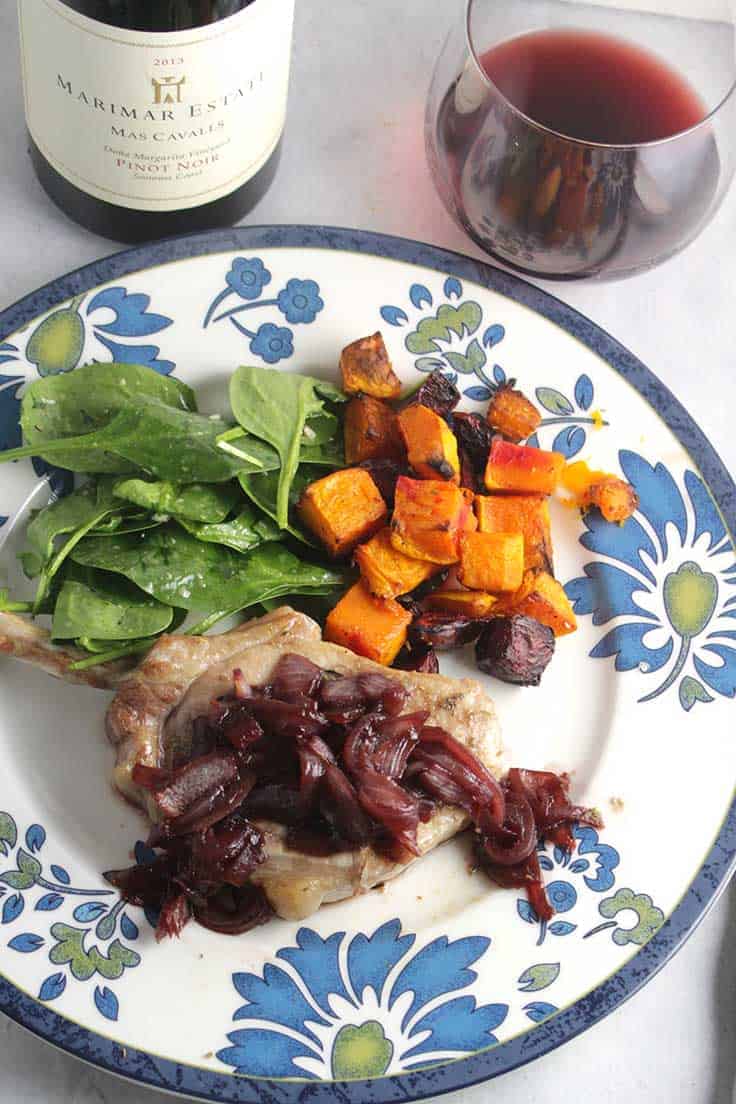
538 977
440 328
553 401
83 963
360 1052
8 833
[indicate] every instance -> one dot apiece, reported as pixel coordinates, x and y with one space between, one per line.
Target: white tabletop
356 159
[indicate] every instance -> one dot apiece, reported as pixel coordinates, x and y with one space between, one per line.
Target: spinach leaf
179 570
78 402
262 488
327 454
325 447
113 649
125 523
170 444
268 604
62 516
243 532
322 442
100 648
180 446
274 406
210 502
99 655
107 608
327 390
320 428
76 514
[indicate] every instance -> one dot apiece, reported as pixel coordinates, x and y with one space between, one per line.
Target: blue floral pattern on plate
299 301
667 578
337 1007
595 873
65 944
101 326
448 341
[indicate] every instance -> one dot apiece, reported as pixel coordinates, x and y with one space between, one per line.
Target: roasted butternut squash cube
366 368
386 571
527 514
372 627
544 599
429 518
371 431
522 469
512 414
465 603
508 604
343 509
430 443
615 498
491 561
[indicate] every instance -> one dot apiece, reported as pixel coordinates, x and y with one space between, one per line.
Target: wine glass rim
470 4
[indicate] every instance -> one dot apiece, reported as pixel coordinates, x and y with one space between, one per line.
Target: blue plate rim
709 882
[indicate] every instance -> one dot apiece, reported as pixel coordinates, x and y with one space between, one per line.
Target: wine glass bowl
574 140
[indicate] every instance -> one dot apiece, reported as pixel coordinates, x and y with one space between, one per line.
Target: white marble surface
354 157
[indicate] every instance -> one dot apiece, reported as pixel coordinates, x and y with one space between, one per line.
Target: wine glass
594 139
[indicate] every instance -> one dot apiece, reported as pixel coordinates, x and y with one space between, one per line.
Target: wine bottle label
156 122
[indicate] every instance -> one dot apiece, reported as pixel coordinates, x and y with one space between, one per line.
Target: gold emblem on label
168 90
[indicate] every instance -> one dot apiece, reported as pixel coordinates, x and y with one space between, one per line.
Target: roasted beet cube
515 649
384 474
443 631
474 436
439 393
419 658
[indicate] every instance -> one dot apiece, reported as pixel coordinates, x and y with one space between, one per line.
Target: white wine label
156 122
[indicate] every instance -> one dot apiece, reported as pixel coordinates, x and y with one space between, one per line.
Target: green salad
176 514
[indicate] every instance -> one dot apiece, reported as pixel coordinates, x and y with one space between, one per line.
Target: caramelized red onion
234 911
190 782
450 772
336 761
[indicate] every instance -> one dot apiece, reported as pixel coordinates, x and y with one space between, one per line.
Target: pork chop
151 719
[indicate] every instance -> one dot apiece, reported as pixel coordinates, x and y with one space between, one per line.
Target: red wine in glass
566 208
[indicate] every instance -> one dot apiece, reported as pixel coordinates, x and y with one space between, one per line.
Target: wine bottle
155 117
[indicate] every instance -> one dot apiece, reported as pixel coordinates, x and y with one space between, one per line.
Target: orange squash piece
527 514
429 518
343 509
366 369
386 571
512 414
615 498
522 469
372 627
371 431
543 598
430 443
491 561
465 603
508 604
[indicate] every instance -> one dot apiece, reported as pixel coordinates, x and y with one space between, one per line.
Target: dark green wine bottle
155 117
